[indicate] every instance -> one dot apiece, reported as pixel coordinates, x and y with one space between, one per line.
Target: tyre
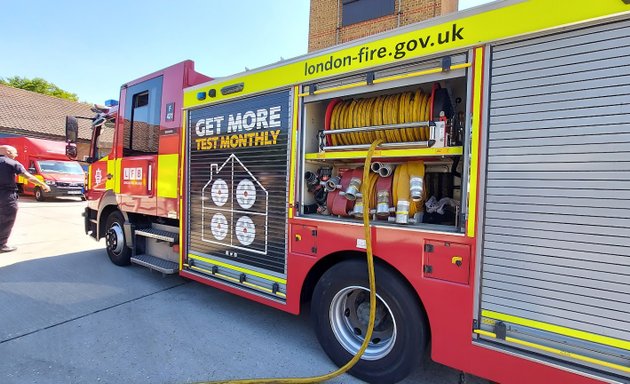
39 194
340 309
115 244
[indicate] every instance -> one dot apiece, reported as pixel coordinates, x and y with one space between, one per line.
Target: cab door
139 139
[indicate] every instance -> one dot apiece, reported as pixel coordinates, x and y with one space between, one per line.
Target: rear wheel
39 194
340 310
115 244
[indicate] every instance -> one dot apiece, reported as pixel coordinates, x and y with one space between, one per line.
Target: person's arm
35 180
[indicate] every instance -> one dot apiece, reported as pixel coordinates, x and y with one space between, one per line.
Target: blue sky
92 48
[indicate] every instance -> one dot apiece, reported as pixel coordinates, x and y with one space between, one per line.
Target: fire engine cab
498 195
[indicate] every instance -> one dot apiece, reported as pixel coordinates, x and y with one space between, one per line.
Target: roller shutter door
556 243
238 160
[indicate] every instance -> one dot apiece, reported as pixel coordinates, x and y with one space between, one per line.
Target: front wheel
340 309
115 244
39 194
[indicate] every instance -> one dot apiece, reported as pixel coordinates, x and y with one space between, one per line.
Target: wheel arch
106 205
104 213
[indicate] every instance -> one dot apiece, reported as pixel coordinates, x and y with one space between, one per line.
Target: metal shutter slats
556 230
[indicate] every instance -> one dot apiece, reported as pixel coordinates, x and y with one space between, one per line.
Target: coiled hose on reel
407 107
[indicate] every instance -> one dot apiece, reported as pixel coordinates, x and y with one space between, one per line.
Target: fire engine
498 196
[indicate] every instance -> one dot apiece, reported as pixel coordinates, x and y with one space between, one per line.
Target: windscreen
55 166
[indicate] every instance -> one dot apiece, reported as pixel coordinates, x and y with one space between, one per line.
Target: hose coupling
415 188
402 213
357 210
382 204
332 184
353 191
386 170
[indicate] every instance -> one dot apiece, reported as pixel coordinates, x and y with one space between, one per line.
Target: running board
158 234
165 266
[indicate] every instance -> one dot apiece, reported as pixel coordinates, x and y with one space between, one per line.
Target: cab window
142 118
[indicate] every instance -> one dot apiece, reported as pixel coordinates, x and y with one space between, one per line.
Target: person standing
9 168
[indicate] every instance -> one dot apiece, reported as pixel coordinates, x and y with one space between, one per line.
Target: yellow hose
401 187
368 199
368 119
427 116
398 108
372 285
416 115
377 117
400 190
398 134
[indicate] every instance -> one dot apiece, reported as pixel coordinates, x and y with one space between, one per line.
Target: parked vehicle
498 195
46 160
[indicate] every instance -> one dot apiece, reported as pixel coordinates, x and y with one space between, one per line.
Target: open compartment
418 113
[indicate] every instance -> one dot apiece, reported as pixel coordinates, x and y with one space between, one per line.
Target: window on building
356 11
142 118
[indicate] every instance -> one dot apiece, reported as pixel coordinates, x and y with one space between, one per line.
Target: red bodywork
138 176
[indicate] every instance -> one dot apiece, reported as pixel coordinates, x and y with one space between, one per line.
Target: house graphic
234 208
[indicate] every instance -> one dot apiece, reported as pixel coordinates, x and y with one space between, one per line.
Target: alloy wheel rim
349 315
114 239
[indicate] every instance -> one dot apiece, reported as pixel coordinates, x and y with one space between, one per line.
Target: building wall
325 20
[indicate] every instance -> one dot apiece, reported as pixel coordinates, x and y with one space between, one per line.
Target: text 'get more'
264 118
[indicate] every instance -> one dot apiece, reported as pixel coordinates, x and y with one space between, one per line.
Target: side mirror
72 130
71 151
32 171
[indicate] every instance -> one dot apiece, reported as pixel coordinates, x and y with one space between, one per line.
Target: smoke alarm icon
236 212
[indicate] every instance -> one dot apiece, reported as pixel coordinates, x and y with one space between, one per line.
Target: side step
152 262
158 234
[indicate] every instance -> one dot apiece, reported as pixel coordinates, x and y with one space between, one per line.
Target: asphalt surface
67 315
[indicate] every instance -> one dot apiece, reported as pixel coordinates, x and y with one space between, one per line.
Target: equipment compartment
415 175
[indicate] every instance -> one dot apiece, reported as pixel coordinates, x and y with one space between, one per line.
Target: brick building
334 22
32 114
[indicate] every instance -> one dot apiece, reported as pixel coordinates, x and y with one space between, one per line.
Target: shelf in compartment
427 227
386 153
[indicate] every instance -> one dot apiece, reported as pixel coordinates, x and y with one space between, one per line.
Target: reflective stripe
182 213
167 175
247 283
238 269
114 183
293 147
599 339
556 351
476 131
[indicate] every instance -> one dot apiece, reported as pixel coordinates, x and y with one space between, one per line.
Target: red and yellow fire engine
498 195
